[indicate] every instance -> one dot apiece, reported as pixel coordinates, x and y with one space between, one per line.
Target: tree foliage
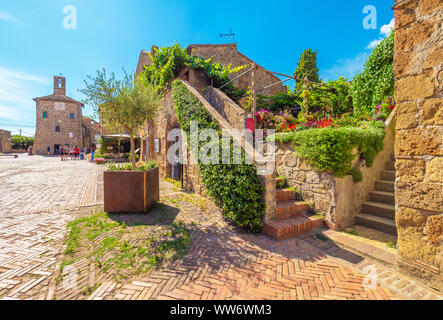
306 67
376 82
21 142
128 103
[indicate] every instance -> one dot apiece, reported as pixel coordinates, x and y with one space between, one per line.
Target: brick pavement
225 263
37 197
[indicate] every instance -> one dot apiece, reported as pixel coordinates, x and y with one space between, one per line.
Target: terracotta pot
131 191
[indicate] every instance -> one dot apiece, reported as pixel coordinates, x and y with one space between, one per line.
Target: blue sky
35 46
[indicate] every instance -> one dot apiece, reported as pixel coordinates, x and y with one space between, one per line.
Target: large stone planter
130 191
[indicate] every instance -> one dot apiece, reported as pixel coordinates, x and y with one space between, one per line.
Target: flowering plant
384 109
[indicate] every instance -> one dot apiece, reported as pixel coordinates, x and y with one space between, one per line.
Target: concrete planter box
131 191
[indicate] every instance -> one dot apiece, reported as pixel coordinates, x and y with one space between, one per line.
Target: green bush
236 188
141 166
376 82
21 142
330 149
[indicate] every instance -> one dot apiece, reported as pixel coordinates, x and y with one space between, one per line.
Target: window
71 116
45 114
59 83
57 129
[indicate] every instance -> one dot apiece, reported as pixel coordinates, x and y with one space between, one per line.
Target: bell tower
59 85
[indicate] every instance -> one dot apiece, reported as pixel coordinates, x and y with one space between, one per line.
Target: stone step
388 175
378 209
284 195
390 165
290 227
382 197
286 209
376 222
382 185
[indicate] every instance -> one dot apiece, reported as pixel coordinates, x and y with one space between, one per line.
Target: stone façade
418 68
59 120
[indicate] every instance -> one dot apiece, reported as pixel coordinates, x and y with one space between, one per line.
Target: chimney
59 85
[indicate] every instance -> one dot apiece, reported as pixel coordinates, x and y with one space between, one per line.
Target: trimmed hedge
330 149
236 188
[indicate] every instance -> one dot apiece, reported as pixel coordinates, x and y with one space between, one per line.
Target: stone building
5 141
91 130
156 147
59 120
418 68
227 54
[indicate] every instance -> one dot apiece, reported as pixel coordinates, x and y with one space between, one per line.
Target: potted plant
127 190
128 104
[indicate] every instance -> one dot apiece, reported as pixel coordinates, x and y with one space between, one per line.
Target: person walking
76 153
49 150
92 154
82 153
62 153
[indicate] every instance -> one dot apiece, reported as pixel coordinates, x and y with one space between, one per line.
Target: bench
9 155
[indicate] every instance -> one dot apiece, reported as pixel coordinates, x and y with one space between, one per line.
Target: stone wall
5 141
418 60
232 113
339 200
228 54
46 134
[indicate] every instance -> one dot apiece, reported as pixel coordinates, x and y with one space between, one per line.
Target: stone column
418 59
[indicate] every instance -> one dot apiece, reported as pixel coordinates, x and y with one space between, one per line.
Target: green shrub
21 142
357 175
236 188
141 166
330 149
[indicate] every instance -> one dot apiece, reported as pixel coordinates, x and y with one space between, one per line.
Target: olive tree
128 103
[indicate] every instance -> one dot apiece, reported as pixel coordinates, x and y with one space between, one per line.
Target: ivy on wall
236 188
376 82
331 149
168 61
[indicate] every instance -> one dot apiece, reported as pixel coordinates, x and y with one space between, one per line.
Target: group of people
72 153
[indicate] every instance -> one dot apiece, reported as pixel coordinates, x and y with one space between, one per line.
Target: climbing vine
235 187
370 87
168 61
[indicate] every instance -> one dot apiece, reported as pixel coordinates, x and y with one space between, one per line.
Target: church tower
59 121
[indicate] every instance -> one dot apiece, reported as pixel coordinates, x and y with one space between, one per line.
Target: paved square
37 195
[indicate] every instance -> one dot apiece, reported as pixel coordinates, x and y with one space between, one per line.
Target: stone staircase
379 212
290 218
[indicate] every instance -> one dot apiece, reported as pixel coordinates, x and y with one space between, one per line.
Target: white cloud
347 68
385 31
387 28
374 43
17 109
4 16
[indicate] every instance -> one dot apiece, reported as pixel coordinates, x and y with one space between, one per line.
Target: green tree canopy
306 67
376 82
127 103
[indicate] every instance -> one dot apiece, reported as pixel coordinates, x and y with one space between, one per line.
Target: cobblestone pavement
37 196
